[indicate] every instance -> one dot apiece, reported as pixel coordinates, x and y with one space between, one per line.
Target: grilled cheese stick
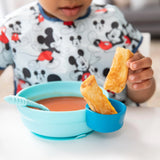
95 98
117 76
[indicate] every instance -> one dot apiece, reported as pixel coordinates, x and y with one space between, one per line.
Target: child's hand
140 72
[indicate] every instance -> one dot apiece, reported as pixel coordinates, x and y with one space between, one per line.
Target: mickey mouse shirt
43 49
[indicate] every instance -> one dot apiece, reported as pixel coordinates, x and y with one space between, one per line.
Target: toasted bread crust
117 76
95 98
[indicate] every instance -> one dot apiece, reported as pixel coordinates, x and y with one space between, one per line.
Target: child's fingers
137 77
143 85
140 72
136 57
145 62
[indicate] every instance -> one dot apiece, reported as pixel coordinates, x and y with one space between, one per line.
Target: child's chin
69 18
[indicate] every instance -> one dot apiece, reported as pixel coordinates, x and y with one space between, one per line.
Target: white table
138 139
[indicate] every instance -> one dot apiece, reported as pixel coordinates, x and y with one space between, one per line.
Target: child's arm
141 84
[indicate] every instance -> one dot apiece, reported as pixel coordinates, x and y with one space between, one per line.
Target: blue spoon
23 101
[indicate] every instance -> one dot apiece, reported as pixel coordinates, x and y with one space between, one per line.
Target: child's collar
56 19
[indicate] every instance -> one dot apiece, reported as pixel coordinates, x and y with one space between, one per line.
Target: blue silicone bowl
50 124
106 123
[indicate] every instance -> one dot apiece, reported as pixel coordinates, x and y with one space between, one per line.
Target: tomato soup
63 103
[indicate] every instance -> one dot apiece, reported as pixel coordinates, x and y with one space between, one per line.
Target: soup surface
63 103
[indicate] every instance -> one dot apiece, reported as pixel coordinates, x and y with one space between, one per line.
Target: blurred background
143 14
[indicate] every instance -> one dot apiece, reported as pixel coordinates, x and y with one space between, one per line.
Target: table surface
138 139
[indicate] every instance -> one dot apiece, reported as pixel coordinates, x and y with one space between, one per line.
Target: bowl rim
124 108
53 83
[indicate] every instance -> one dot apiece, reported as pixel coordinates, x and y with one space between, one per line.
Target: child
64 40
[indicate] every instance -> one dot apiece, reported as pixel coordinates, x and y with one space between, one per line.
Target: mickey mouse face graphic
16 31
40 75
38 16
83 69
113 37
49 41
80 62
76 40
99 24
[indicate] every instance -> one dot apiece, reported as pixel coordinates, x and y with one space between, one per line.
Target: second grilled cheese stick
95 98
117 76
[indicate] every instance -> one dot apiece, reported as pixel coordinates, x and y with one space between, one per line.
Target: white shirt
44 49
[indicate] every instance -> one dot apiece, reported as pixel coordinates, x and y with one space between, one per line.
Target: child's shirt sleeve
5 50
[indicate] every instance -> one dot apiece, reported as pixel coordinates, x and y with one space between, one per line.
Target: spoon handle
37 105
23 101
